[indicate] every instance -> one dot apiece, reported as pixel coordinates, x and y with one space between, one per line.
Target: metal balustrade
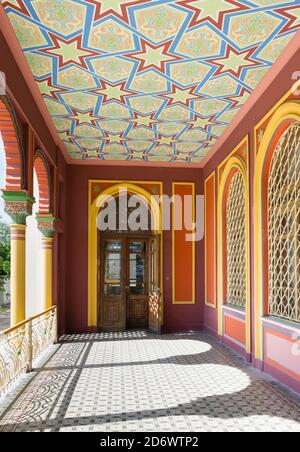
23 343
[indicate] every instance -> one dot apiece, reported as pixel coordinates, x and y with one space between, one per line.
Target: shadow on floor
49 410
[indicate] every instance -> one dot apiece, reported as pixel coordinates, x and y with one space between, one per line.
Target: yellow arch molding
238 164
93 237
287 111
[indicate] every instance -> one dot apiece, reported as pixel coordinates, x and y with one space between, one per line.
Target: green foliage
4 252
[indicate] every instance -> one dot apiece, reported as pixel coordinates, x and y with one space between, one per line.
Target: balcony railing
23 343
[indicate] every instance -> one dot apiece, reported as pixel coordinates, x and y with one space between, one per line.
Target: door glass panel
152 269
112 268
137 268
137 247
113 246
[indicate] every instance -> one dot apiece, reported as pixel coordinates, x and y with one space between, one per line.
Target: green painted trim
18 205
46 224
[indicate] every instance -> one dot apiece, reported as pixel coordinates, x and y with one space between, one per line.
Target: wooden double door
129 283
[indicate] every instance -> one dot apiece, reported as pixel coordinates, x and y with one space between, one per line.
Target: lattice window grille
236 242
284 227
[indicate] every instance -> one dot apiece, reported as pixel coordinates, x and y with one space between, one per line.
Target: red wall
176 317
272 94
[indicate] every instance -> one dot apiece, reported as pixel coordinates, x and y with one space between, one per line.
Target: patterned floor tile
136 381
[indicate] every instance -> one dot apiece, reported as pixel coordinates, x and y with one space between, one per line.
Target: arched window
236 242
284 227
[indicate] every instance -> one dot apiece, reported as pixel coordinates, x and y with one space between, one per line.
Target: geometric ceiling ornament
149 80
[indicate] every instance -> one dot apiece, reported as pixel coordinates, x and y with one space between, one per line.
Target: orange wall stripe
235 329
210 240
183 255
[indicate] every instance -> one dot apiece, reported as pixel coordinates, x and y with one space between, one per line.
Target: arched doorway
127 259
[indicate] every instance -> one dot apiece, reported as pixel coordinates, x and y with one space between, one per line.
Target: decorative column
18 205
46 224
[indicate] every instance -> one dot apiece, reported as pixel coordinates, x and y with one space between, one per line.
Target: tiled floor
139 382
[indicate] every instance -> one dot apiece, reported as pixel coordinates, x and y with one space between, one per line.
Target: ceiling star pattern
149 80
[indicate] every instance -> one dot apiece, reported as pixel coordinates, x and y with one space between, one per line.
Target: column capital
18 205
46 224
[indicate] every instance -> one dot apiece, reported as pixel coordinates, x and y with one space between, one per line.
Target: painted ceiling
149 80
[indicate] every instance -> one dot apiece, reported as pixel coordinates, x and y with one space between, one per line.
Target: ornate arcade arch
46 220
286 115
42 171
13 149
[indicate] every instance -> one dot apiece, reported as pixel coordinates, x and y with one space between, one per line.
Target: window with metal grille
236 242
284 227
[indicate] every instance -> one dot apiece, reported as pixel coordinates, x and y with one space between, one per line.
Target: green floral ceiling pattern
149 80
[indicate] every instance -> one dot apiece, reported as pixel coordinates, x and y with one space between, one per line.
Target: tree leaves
4 253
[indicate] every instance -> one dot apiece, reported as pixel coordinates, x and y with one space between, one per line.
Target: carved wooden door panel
137 287
154 321
113 297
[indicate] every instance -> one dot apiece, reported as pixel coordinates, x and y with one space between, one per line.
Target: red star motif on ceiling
20 7
75 54
87 117
140 120
113 92
292 20
69 140
154 56
199 122
234 61
240 100
114 138
200 16
101 11
49 90
183 158
165 140
181 96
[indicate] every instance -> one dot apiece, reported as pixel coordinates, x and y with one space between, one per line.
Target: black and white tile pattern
136 381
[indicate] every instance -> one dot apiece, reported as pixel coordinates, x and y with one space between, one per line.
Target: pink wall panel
283 353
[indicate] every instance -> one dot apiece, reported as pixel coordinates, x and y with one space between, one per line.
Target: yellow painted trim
214 304
193 301
94 206
244 141
18 274
289 110
296 86
234 162
47 251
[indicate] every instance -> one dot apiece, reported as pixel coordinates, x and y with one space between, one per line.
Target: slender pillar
18 206
47 249
18 273
46 226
